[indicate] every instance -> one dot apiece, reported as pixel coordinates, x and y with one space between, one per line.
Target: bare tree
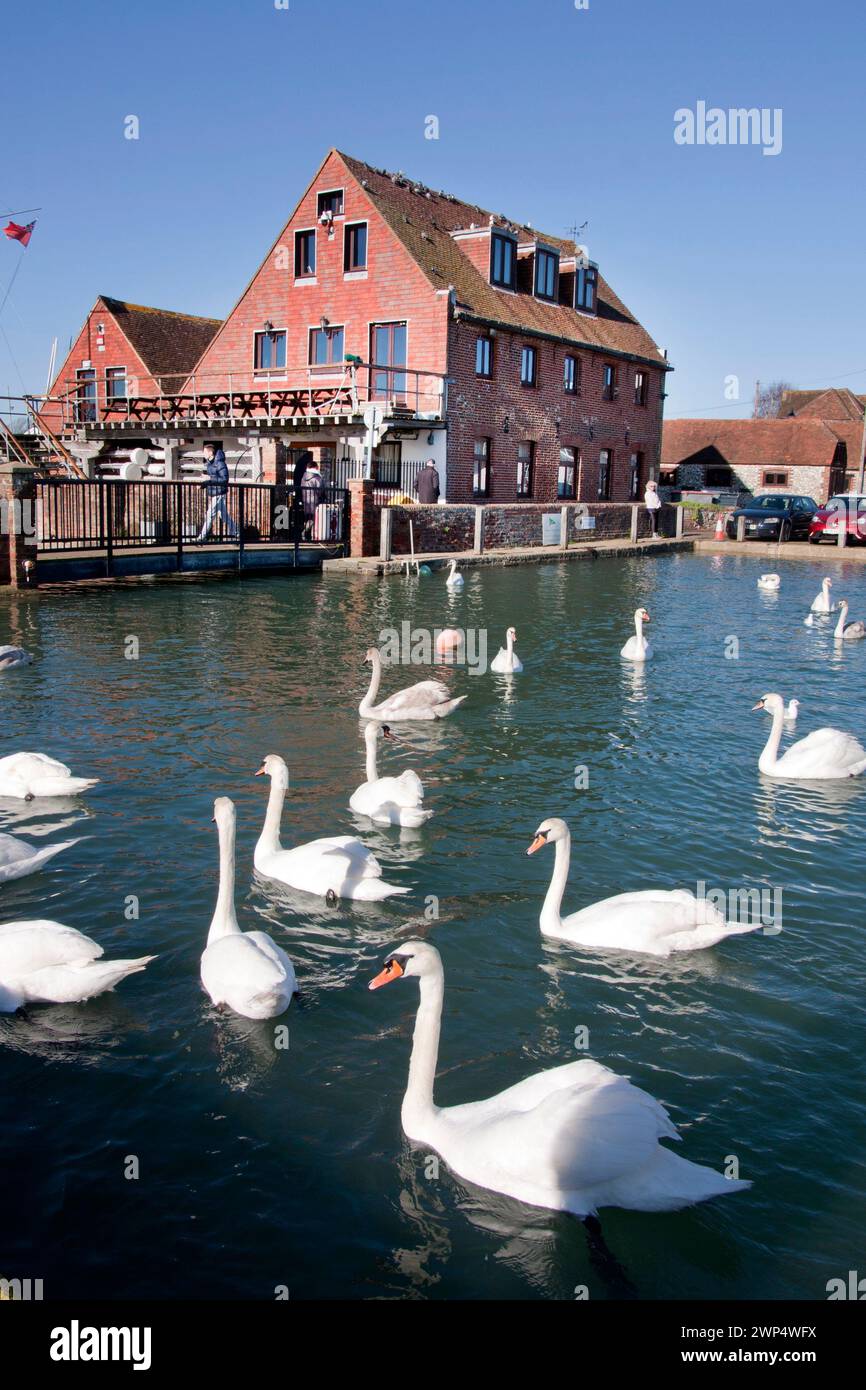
769 398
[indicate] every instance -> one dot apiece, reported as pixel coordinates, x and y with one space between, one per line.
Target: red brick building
500 352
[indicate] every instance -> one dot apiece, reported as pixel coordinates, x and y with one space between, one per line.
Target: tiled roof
168 343
792 442
424 220
827 403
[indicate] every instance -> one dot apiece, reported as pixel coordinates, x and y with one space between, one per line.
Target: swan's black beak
759 705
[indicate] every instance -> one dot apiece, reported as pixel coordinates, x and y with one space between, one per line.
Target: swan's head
827 582
771 703
371 656
843 603
548 833
512 633
410 958
274 767
375 731
794 707
224 811
642 614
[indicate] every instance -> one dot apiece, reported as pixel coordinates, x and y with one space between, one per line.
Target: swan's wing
13 851
424 693
593 1130
29 765
38 945
330 862
820 750
274 953
643 920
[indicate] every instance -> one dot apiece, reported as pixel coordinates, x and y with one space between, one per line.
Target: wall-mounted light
505 425
431 438
268 326
557 422
324 323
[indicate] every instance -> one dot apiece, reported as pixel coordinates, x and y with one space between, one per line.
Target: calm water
261 1167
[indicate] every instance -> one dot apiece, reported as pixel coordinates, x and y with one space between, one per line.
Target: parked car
771 516
825 523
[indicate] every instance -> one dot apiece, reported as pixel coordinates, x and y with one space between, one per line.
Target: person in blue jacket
216 491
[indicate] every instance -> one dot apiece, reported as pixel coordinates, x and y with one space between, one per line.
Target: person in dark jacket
427 484
216 491
311 491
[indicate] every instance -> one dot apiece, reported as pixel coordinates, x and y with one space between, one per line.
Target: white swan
822 602
426 700
17 858
455 578
338 867
791 711
654 922
14 656
44 962
244 970
848 632
574 1138
506 659
28 775
769 581
826 753
388 800
637 648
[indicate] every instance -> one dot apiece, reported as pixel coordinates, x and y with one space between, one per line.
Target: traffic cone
720 527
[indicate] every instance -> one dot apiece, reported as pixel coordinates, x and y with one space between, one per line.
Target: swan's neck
768 758
509 643
269 840
551 918
375 677
418 1101
224 921
372 772
840 626
638 627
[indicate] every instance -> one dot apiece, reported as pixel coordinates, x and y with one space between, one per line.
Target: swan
455 578
27 775
426 700
769 581
14 656
792 709
244 970
637 648
506 659
388 800
339 867
574 1138
17 858
44 962
821 603
823 754
654 922
848 632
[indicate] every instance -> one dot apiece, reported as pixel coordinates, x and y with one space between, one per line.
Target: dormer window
546 273
585 288
503 261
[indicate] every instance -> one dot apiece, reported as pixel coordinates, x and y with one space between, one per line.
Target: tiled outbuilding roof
827 403
168 343
424 220
794 442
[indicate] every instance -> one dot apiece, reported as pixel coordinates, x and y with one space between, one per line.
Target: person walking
216 491
427 483
653 502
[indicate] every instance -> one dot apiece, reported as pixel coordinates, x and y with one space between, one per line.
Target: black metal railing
115 515
391 477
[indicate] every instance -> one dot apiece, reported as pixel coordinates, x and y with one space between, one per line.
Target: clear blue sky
738 263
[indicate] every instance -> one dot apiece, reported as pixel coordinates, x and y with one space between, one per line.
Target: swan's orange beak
261 771
538 843
393 970
759 705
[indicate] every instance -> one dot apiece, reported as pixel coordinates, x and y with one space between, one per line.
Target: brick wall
108 349
393 289
586 422
448 528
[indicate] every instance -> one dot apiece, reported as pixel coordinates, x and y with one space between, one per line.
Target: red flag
22 234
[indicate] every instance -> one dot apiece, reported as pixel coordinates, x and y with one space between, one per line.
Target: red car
848 507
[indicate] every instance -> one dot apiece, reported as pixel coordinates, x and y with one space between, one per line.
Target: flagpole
11 282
